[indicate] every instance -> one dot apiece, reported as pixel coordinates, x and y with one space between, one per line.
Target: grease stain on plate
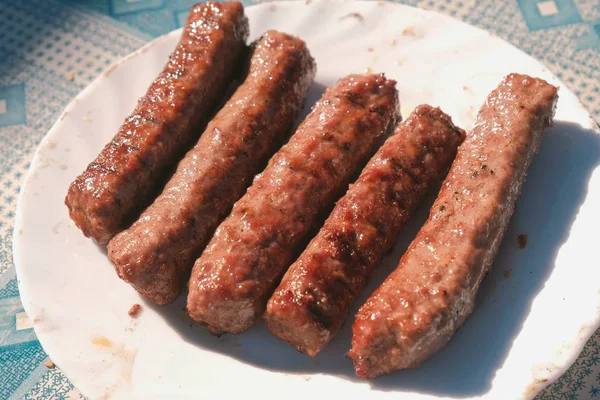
123 359
355 15
101 341
534 387
110 69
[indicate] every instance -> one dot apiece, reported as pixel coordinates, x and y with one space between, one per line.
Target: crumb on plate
356 15
134 310
409 31
522 239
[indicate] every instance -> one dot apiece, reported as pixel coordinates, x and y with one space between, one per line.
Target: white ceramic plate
535 311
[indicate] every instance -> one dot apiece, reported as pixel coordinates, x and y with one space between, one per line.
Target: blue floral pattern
53 386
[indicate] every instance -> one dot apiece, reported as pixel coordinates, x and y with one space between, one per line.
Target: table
51 50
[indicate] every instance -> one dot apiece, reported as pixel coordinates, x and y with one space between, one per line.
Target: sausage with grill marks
129 171
252 248
427 298
157 252
312 301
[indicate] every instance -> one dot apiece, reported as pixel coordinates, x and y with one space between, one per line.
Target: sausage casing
252 248
420 305
129 171
157 252
313 299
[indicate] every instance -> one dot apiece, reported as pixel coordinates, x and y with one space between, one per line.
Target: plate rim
586 330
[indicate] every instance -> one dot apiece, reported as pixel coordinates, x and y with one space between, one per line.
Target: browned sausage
420 305
157 252
126 175
252 248
312 301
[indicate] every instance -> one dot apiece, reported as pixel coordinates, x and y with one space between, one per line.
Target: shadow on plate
556 188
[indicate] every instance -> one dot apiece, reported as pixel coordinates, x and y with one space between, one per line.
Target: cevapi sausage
252 248
422 303
129 171
157 252
313 299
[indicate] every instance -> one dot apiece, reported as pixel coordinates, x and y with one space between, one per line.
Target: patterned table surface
50 50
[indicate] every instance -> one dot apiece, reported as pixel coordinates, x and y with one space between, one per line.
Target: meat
422 303
313 299
129 171
157 252
252 248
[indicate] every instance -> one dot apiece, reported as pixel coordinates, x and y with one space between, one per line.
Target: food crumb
316 362
307 379
394 42
507 273
49 364
134 310
353 15
237 346
101 341
522 240
63 166
87 119
71 76
466 88
369 70
409 31
370 49
51 145
400 61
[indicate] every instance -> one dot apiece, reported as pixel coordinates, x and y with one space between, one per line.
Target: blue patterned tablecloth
50 50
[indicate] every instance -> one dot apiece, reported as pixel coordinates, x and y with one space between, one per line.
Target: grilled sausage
313 299
420 305
130 170
251 249
157 252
